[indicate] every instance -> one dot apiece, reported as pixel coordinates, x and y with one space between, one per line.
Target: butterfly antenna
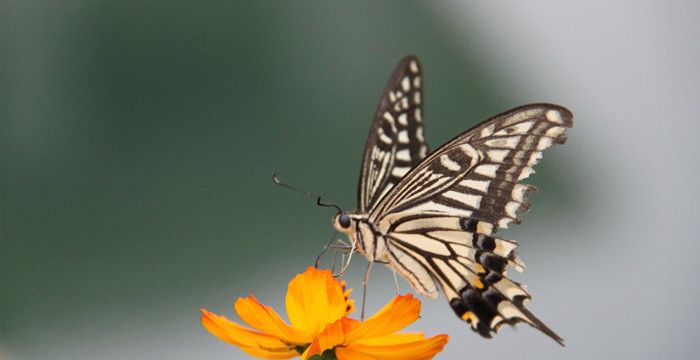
279 182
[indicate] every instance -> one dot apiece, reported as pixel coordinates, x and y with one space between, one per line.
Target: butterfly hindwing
396 141
464 262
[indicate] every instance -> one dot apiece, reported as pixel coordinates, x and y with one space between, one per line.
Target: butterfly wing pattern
396 142
440 220
433 219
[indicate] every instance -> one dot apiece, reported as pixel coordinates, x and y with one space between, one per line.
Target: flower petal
394 316
314 299
266 354
414 350
331 336
313 349
349 324
392 339
264 318
344 353
252 342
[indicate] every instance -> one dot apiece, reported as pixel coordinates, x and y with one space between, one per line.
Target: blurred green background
138 140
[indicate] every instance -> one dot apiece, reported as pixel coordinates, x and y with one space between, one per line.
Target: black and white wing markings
440 219
477 173
470 268
396 142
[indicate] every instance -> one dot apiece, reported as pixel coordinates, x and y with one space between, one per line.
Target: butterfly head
343 222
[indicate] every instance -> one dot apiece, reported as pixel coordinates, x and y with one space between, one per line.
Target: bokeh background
138 139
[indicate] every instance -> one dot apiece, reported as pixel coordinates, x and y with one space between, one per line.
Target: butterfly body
433 217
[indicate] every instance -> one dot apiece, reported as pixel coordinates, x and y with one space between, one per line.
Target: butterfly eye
344 220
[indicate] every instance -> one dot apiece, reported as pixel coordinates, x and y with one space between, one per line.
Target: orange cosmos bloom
317 306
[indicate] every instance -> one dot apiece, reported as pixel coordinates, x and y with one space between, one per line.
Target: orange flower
317 306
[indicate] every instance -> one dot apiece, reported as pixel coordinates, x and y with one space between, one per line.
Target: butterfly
432 217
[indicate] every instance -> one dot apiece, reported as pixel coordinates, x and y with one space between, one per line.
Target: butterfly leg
335 262
364 289
347 263
396 282
325 248
344 248
341 245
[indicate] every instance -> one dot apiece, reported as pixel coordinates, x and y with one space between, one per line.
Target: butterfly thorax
365 236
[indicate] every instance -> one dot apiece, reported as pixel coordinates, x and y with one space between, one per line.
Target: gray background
138 139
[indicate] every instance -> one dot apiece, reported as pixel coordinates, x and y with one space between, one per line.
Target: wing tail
486 312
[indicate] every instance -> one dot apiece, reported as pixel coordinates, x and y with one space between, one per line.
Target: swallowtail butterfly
432 217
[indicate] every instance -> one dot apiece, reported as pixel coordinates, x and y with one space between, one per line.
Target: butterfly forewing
396 141
486 161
